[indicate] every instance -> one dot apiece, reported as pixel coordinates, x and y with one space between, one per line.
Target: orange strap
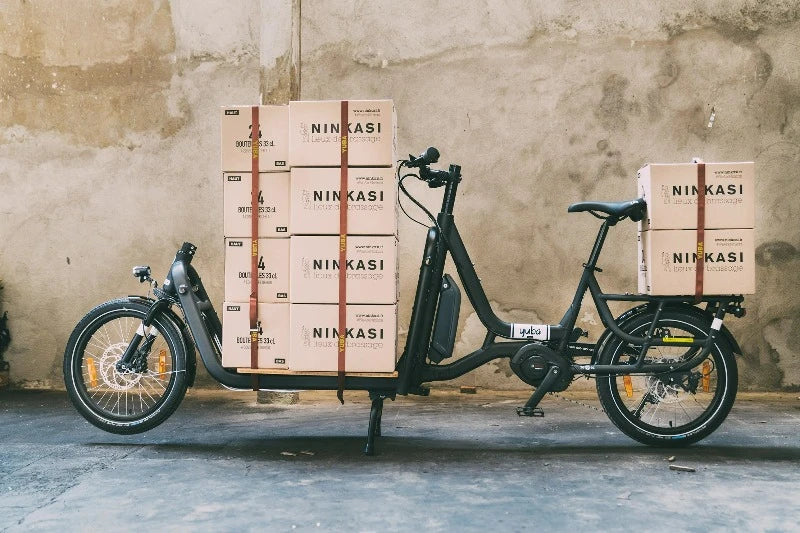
254 136
342 341
701 225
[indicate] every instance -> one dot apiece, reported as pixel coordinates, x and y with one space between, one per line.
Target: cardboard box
235 126
273 335
273 204
371 338
371 270
671 195
314 133
667 262
273 270
371 201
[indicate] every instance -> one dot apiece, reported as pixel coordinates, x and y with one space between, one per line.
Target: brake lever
413 162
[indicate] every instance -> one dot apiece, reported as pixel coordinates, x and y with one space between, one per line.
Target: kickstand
375 414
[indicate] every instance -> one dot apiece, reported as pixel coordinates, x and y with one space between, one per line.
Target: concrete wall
109 153
109 140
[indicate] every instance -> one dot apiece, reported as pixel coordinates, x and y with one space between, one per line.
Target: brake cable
414 200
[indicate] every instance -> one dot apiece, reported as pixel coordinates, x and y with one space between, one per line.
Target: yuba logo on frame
530 331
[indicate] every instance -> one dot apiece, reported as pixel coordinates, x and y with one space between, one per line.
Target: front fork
135 357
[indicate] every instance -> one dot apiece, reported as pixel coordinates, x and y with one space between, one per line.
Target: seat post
598 243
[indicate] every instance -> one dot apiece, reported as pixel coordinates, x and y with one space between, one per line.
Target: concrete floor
447 462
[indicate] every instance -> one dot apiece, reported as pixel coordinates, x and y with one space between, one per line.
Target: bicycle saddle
633 209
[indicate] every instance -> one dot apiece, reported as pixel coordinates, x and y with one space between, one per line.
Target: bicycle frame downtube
472 361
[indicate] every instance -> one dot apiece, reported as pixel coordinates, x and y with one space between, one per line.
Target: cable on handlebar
401 187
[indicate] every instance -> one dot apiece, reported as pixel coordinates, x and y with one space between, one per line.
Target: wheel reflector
162 364
706 376
628 386
92 372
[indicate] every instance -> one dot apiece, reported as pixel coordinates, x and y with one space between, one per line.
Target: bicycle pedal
530 411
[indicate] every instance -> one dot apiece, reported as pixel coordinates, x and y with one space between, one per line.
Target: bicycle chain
575 402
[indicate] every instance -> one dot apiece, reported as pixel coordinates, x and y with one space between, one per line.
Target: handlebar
434 178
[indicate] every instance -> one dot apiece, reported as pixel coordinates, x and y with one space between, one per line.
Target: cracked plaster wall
548 103
109 154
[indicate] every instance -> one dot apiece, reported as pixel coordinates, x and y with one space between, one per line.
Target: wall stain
739 25
775 253
98 103
668 70
693 119
281 83
613 108
775 103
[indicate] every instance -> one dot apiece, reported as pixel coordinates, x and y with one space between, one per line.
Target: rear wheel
668 409
131 401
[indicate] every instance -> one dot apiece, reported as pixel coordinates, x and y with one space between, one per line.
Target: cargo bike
665 369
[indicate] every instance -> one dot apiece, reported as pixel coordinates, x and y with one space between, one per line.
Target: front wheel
668 409
129 401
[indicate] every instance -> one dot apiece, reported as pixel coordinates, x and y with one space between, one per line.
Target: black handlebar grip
430 156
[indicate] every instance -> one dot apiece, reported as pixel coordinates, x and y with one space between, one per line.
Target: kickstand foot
374 424
530 411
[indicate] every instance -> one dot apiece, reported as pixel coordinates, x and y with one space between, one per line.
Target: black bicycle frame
444 238
184 287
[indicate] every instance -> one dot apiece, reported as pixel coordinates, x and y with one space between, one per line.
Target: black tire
656 411
130 402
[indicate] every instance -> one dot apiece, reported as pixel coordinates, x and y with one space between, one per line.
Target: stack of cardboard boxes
668 238
273 235
315 156
298 260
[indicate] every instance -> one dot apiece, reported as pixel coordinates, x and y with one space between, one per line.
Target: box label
236 140
671 193
315 133
273 204
370 337
371 201
273 335
272 266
